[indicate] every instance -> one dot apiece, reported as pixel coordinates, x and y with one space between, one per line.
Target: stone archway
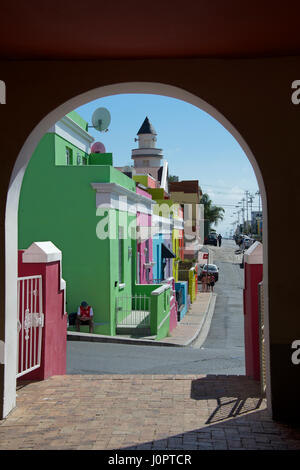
20 168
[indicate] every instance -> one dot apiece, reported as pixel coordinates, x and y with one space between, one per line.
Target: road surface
222 352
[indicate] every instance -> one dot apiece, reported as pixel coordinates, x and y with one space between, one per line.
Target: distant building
188 194
256 222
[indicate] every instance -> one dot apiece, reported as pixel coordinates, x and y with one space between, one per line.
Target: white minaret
147 156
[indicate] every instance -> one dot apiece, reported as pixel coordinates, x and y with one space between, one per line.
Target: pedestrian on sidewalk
212 282
204 282
220 239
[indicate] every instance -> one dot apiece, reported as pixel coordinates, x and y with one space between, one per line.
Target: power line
231 205
216 186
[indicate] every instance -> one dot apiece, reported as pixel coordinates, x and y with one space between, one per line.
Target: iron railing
30 324
133 311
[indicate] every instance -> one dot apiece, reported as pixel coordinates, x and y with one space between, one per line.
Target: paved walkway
143 412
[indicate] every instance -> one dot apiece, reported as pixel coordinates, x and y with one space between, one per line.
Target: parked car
210 268
239 239
211 239
247 242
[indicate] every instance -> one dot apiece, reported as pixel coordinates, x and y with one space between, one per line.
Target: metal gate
30 324
133 311
262 337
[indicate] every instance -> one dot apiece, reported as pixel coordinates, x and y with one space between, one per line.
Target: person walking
85 316
220 239
212 282
204 281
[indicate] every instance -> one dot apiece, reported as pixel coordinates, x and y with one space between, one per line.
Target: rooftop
146 128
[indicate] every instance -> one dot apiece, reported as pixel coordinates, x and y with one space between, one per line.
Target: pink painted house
42 322
144 247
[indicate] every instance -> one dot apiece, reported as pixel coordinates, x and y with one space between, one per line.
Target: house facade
188 195
89 210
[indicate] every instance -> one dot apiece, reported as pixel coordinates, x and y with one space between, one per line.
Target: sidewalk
190 327
185 333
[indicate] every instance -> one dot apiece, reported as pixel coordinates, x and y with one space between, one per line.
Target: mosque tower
147 156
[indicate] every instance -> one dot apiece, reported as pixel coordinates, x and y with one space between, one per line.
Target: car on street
247 242
239 239
210 268
211 239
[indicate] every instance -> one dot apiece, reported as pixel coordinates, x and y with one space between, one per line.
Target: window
84 160
121 256
210 267
145 162
78 159
69 156
138 268
147 258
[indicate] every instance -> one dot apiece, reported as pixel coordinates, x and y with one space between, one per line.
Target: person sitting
85 316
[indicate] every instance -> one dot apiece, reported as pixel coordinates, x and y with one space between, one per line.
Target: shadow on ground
236 423
235 395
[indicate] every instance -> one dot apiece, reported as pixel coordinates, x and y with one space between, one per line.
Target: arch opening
11 227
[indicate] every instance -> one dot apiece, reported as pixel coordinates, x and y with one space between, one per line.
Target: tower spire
146 128
146 155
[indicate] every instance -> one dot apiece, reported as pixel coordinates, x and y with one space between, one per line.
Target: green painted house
87 208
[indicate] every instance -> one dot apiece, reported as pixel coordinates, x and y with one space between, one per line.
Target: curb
74 336
210 310
94 338
191 341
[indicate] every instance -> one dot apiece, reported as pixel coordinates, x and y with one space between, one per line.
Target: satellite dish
98 147
101 119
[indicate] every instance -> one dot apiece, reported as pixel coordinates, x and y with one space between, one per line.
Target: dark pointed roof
146 128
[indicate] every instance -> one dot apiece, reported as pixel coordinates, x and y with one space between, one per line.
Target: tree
173 178
212 214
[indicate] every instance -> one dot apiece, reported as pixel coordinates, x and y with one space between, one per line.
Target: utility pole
258 194
247 215
239 210
251 197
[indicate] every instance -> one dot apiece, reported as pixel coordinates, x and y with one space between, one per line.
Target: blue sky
195 145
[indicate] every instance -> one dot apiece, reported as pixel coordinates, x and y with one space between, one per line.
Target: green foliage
173 178
212 214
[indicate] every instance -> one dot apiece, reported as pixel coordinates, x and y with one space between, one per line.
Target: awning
166 252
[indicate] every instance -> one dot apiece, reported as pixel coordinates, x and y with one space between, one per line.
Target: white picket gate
30 324
133 311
